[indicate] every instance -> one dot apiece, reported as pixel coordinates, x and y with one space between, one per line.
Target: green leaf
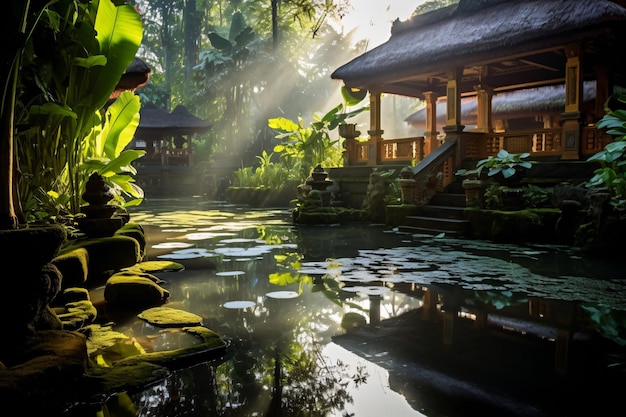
219 42
282 278
122 163
91 61
282 124
352 96
237 25
119 34
121 123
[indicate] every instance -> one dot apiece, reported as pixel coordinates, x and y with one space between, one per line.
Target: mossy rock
170 317
530 225
155 266
73 265
78 314
107 254
128 292
29 248
395 214
136 231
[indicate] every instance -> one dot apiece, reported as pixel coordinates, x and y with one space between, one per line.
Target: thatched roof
509 105
155 121
136 75
480 32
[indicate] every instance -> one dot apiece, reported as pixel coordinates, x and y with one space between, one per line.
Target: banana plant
106 153
68 123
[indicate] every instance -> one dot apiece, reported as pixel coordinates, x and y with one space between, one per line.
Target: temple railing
389 151
436 170
477 145
538 142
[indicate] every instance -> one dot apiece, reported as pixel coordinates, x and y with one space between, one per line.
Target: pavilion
480 49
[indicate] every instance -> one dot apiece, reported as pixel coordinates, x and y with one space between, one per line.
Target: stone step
437 225
442 212
448 199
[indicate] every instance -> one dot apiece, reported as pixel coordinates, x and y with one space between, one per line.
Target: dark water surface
364 321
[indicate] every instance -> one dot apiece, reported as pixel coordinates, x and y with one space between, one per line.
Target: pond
362 320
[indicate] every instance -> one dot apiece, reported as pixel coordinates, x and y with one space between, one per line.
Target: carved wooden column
375 132
453 127
571 118
604 88
453 104
484 96
430 135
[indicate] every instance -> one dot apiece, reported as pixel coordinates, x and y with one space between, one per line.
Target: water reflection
316 316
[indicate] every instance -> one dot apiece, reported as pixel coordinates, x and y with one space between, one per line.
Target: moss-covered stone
77 315
530 225
107 254
315 215
73 266
169 317
396 213
134 230
155 266
130 292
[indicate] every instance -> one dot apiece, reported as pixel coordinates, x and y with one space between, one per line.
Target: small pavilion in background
168 166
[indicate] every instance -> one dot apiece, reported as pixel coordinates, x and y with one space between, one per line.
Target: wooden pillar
453 103
429 308
375 132
484 96
453 128
571 118
430 135
604 88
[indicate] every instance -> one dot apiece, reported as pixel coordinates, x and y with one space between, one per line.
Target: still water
365 321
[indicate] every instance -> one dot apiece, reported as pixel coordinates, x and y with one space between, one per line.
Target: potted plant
351 97
506 168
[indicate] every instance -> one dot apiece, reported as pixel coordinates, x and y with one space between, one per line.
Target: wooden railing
436 170
405 150
539 143
390 151
476 145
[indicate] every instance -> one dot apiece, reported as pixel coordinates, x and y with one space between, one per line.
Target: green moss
396 213
107 254
73 265
536 225
169 317
315 215
155 266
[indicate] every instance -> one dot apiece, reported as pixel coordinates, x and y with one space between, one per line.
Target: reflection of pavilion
168 166
493 344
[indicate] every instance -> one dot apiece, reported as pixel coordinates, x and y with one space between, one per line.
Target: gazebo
482 48
165 136
167 139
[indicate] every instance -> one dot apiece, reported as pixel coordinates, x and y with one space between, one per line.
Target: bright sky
374 18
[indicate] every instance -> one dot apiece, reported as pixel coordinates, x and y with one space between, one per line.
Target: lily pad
239 305
283 295
229 273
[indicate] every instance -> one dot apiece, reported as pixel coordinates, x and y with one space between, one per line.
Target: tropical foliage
73 56
504 164
300 148
611 174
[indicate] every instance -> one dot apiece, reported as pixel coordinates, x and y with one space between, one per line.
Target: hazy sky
374 17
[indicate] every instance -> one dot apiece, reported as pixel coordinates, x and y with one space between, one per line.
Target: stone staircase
443 214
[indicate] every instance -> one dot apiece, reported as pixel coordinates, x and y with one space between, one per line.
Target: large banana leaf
122 119
119 33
